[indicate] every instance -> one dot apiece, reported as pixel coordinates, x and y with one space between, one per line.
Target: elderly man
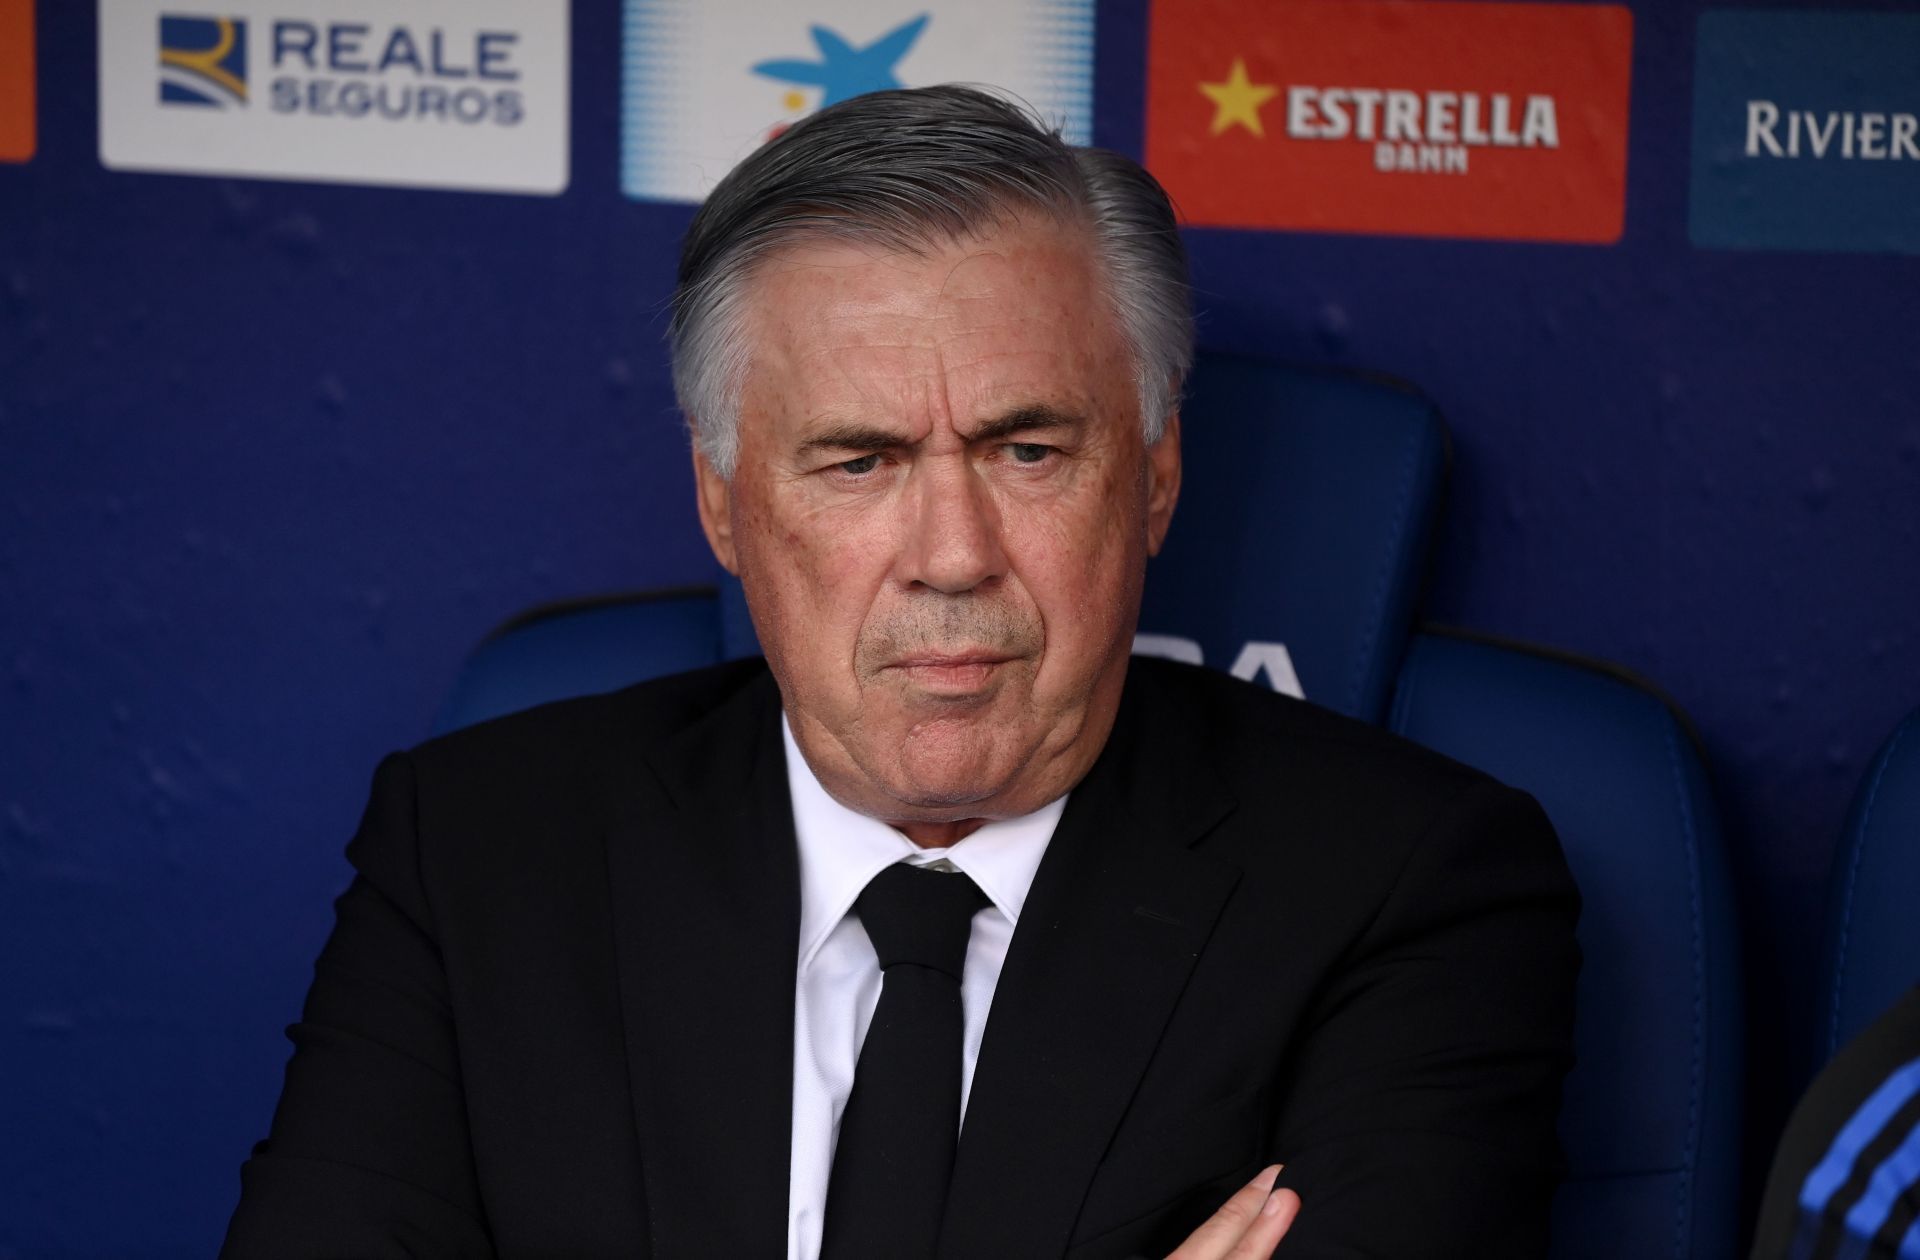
949 929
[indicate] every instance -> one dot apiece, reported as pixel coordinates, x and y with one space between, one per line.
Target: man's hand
1248 1226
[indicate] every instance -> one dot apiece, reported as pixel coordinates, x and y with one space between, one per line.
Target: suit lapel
706 898
1120 909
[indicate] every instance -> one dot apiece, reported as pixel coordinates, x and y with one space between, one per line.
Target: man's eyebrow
1024 419
852 437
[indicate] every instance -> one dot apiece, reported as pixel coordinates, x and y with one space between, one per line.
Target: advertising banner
706 84
1806 131
1490 120
466 94
16 80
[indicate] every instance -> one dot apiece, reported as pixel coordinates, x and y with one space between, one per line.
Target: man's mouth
956 674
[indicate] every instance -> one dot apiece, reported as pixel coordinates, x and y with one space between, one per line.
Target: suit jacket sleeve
369 1154
1417 1117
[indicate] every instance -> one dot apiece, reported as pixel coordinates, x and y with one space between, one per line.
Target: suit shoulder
565 736
1251 732
1329 802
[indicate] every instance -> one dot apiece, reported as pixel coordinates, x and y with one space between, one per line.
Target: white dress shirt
838 981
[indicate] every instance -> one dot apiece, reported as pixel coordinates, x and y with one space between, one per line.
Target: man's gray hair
908 170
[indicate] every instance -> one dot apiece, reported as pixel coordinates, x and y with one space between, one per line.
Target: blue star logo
843 70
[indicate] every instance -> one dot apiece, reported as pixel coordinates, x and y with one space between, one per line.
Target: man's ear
1163 483
715 497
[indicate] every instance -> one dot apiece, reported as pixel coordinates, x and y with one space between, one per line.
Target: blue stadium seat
1650 1123
1873 934
584 646
1296 560
1302 538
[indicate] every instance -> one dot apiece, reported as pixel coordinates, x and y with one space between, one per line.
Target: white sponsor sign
706 83
469 94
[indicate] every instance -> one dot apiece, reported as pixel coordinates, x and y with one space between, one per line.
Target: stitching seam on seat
1692 846
1853 875
1402 713
1381 582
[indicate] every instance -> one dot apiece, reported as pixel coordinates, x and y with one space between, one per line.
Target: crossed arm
1415 1113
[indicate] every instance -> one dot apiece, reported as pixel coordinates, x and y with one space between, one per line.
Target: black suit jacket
555 1016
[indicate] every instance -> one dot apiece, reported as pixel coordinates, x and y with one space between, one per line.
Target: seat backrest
599 644
1650 1118
1873 934
1303 532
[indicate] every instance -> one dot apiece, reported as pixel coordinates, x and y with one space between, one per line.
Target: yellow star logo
1237 101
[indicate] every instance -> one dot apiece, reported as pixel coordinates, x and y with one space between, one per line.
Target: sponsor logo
1324 115
841 70
203 61
705 84
1256 658
431 93
363 69
1870 135
1806 131
1421 131
17 125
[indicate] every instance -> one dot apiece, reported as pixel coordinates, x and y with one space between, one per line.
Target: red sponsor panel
16 80
1398 117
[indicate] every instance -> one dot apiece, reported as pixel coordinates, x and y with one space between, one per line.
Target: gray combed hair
910 169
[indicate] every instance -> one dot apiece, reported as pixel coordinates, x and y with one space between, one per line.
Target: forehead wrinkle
916 390
905 352
903 363
796 349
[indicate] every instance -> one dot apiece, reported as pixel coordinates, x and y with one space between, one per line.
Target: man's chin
939 778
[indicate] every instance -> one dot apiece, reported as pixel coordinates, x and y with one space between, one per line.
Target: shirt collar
840 850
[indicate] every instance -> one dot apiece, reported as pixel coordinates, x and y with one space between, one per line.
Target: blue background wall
273 456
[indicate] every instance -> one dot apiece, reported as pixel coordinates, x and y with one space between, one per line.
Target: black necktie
894 1157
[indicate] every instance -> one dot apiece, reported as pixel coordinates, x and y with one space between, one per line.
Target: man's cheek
1074 524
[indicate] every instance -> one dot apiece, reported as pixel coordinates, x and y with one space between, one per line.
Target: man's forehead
842 321
899 373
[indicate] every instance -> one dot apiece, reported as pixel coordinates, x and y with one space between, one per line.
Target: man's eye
859 467
1028 452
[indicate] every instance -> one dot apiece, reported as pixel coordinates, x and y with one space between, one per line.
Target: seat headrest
583 646
1301 539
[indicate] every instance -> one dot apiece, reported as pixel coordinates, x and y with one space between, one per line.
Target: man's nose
953 541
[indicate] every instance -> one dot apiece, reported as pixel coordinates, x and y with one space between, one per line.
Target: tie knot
915 915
